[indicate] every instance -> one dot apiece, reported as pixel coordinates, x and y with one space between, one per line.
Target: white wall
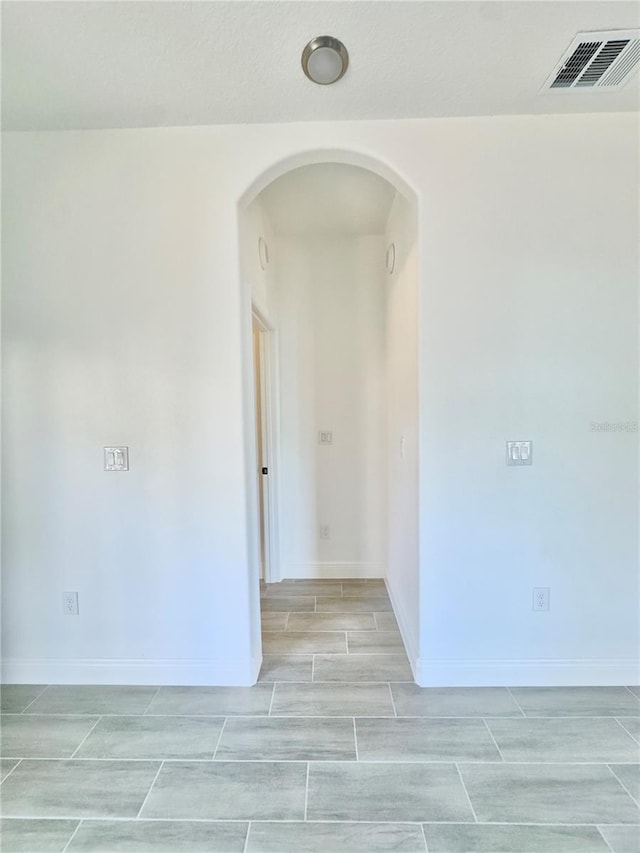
401 345
331 342
122 325
529 331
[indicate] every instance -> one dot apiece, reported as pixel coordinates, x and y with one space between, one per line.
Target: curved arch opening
331 427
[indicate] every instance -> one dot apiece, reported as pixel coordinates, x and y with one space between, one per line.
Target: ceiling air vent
597 61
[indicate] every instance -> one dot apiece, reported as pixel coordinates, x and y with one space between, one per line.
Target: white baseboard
158 673
409 637
526 673
319 571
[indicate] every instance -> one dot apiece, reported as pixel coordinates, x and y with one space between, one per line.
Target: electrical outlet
541 598
325 437
70 603
325 533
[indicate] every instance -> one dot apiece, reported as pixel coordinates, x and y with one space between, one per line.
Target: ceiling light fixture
325 60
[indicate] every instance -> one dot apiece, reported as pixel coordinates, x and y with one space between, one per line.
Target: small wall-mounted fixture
390 259
116 458
519 453
263 253
325 60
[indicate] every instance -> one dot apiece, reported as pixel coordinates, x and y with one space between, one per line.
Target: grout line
493 739
19 761
313 668
393 704
73 835
73 754
286 628
273 694
355 738
426 761
473 811
155 778
151 701
424 836
328 822
625 729
346 641
635 695
306 791
219 739
508 689
618 779
246 838
609 847
24 710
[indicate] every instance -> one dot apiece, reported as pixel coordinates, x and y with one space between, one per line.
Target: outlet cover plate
70 603
325 436
541 598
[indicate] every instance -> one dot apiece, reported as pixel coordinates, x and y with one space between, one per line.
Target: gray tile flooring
335 750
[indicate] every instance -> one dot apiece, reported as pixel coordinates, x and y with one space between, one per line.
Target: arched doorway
329 265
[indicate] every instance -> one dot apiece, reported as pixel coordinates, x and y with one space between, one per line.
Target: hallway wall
331 336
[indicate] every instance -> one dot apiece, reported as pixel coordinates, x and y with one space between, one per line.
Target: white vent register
602 61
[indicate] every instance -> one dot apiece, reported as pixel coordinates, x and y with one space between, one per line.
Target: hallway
331 631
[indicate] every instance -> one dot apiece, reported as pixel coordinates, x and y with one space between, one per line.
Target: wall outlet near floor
325 533
70 603
541 598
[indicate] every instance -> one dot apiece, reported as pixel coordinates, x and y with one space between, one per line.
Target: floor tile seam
155 778
215 751
273 693
627 688
496 763
202 715
46 687
246 838
484 720
417 823
307 652
625 729
636 800
93 727
355 739
319 630
611 716
464 787
393 701
510 692
18 762
424 838
151 701
306 791
72 836
609 847
409 762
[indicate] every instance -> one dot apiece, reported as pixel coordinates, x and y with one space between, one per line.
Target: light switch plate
116 458
519 453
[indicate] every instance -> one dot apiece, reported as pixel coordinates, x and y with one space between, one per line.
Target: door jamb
268 384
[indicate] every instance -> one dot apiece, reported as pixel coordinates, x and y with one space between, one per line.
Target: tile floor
334 750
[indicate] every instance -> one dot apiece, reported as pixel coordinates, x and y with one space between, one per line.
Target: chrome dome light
325 60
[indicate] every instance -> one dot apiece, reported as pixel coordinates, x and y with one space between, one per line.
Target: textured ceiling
328 199
138 64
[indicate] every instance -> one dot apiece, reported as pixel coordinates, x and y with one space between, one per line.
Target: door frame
269 395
